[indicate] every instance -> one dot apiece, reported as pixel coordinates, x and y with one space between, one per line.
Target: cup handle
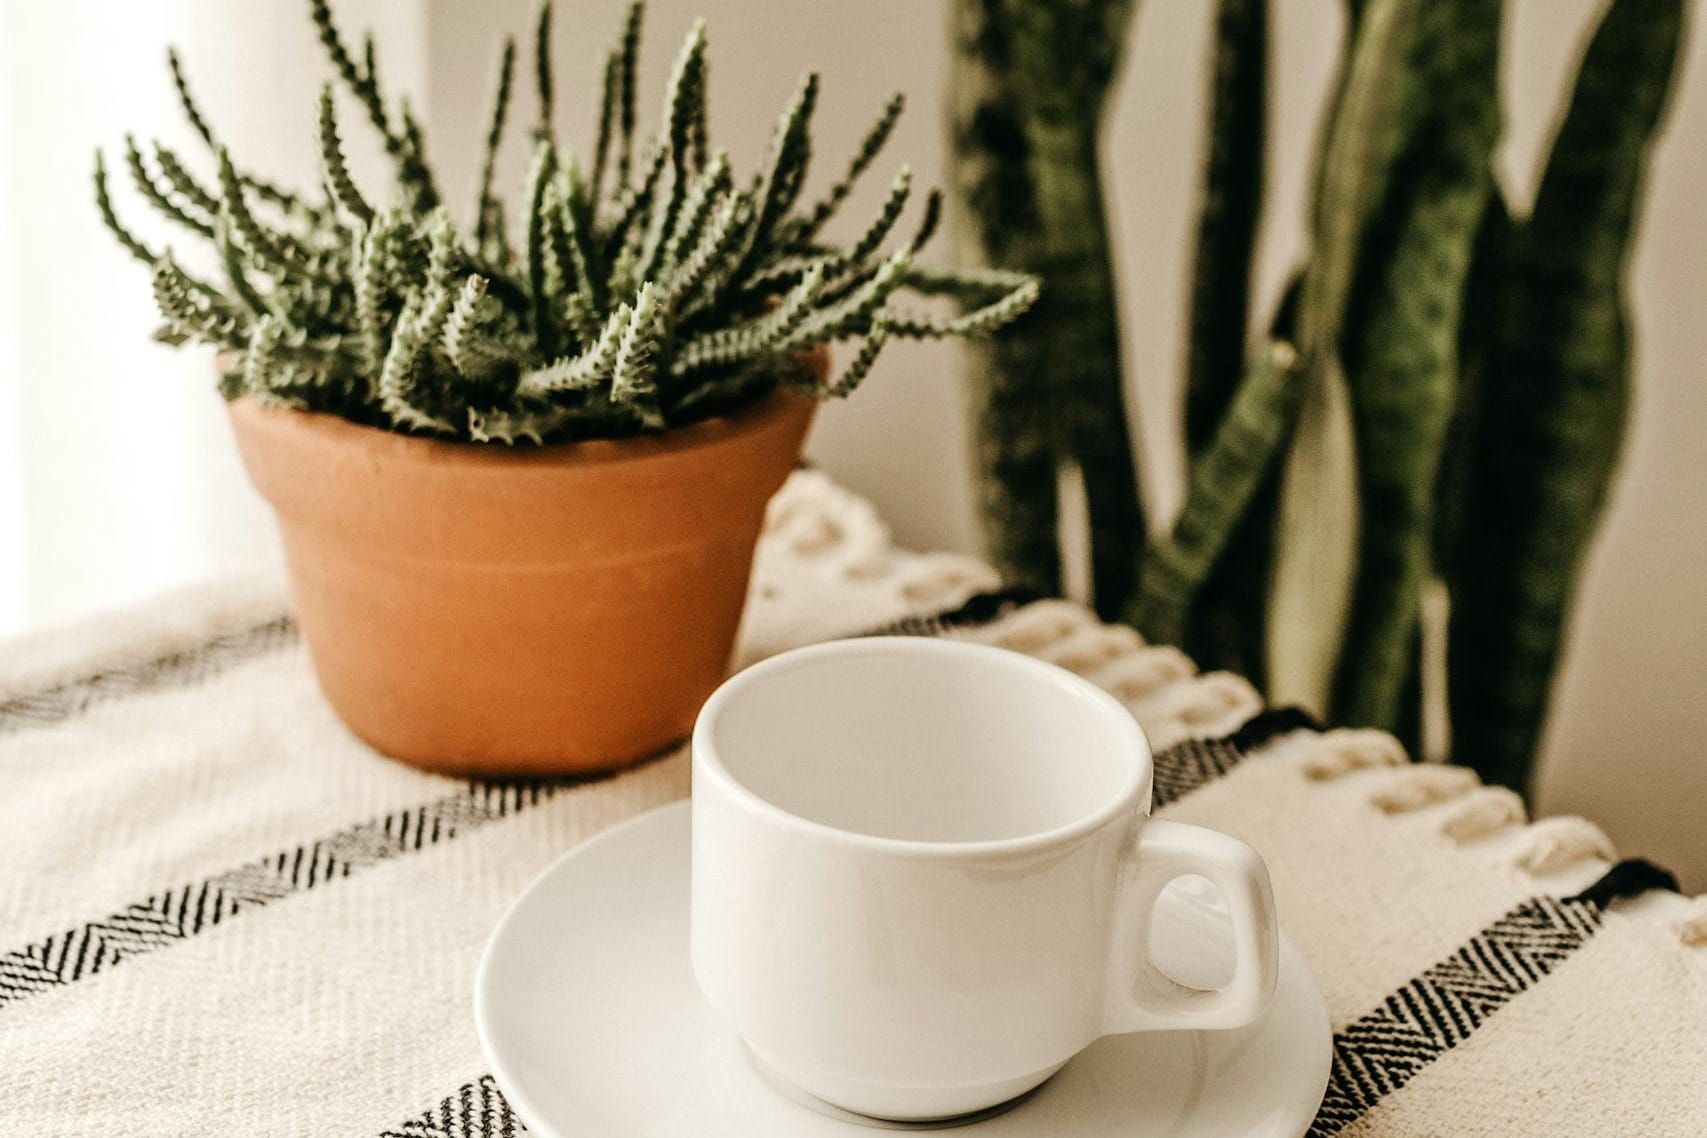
1140 996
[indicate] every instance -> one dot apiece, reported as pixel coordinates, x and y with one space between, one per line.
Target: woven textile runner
219 913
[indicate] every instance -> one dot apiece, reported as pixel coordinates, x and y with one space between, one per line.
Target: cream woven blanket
219 914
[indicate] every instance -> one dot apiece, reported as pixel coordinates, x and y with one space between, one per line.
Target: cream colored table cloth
221 915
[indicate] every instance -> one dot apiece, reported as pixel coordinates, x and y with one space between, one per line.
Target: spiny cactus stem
636 318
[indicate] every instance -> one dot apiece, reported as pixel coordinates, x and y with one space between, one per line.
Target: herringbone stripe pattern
177 669
177 914
1189 764
1376 1055
1373 1057
476 1110
981 608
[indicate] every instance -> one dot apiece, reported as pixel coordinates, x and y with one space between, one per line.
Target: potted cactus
520 471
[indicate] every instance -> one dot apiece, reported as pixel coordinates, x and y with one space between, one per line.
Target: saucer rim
520 1102
538 1120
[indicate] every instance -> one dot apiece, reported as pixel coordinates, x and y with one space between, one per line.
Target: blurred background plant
1392 484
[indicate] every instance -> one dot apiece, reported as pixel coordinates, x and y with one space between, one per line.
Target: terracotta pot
477 609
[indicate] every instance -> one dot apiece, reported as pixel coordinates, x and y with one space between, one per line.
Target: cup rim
1131 797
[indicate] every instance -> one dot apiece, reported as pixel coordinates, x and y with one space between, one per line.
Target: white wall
117 475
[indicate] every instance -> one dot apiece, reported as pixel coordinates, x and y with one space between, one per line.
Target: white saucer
588 1011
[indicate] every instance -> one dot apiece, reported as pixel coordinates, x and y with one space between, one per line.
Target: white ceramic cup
923 874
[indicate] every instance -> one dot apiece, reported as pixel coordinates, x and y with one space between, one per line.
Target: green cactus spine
635 303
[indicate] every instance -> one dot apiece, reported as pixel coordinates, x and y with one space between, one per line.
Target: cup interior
925 741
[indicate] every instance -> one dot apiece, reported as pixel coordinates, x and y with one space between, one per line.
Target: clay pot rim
323 427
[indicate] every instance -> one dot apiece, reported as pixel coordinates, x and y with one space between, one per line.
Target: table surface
219 913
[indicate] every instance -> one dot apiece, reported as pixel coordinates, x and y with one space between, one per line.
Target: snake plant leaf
1353 22
1315 541
1222 626
1315 550
1486 299
1228 625
1400 341
1556 395
1227 217
1224 480
1379 96
1030 82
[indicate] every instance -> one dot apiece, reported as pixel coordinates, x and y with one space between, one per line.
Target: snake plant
641 287
1437 406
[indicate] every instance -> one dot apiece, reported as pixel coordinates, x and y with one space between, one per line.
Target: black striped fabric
1189 764
474 1110
1380 1052
175 915
1374 1056
1180 770
184 667
979 609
